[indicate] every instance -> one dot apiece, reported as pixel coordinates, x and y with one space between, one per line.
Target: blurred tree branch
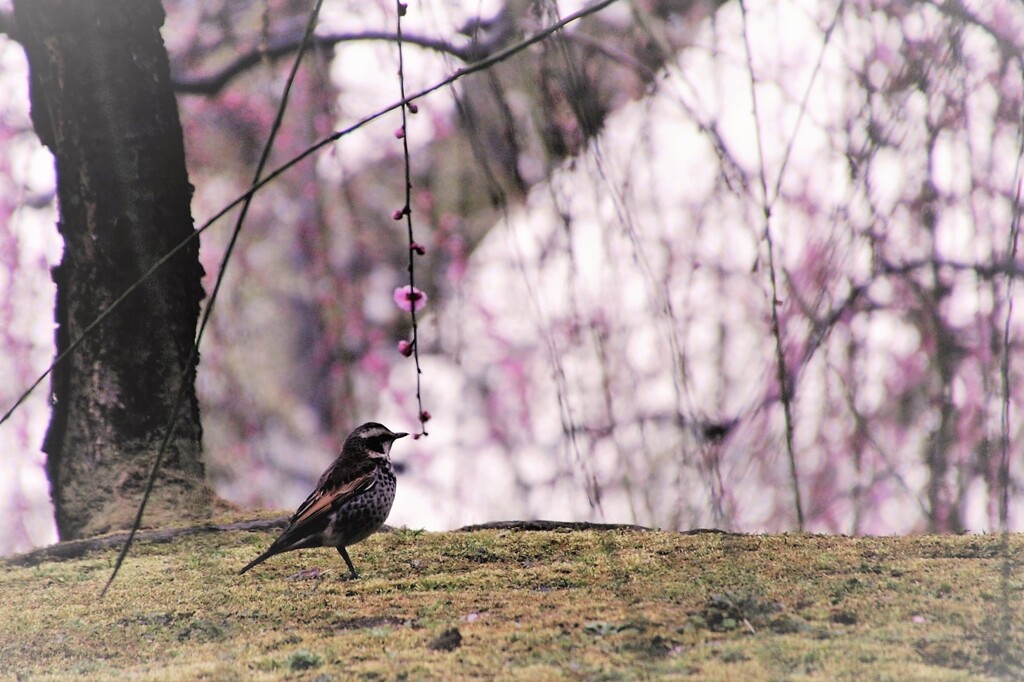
956 10
213 83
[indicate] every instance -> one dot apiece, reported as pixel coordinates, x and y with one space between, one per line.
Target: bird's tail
285 543
260 559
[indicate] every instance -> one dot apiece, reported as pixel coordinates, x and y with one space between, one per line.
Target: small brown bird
351 501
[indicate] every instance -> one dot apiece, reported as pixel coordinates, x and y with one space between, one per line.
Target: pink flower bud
400 132
405 348
424 416
398 214
402 9
413 108
418 248
410 298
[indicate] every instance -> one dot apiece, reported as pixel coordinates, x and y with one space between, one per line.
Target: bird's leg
351 568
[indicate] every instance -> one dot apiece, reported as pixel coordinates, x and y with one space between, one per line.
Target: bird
351 501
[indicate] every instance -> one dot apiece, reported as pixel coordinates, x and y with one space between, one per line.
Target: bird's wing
323 499
305 527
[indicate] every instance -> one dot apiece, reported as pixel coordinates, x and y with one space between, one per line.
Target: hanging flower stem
406 212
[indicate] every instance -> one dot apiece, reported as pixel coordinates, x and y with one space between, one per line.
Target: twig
780 357
213 83
803 103
1004 426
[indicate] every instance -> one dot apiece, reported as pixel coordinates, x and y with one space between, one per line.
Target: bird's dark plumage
352 498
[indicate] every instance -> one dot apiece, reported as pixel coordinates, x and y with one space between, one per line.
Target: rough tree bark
102 102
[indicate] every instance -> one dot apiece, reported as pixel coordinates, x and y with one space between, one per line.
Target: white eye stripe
371 430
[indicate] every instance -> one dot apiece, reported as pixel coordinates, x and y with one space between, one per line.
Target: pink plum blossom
409 298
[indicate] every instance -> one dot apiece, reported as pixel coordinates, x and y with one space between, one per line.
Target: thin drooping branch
777 190
782 374
194 353
1004 421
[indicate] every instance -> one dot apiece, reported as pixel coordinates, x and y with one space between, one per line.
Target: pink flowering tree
754 272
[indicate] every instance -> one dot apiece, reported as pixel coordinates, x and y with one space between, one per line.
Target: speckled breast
362 515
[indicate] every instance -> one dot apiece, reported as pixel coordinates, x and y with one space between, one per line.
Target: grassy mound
510 604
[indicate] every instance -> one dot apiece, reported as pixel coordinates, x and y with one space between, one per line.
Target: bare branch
986 270
213 83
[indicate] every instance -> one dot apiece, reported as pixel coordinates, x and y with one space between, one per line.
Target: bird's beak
399 435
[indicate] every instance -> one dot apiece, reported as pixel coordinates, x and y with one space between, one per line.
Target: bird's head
373 439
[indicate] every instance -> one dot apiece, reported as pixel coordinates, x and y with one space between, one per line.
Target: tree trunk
102 102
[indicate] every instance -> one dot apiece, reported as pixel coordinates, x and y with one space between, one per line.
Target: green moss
596 605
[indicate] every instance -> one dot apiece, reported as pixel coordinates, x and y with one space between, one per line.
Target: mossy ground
594 605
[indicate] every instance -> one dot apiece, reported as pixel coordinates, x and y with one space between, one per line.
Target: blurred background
608 218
